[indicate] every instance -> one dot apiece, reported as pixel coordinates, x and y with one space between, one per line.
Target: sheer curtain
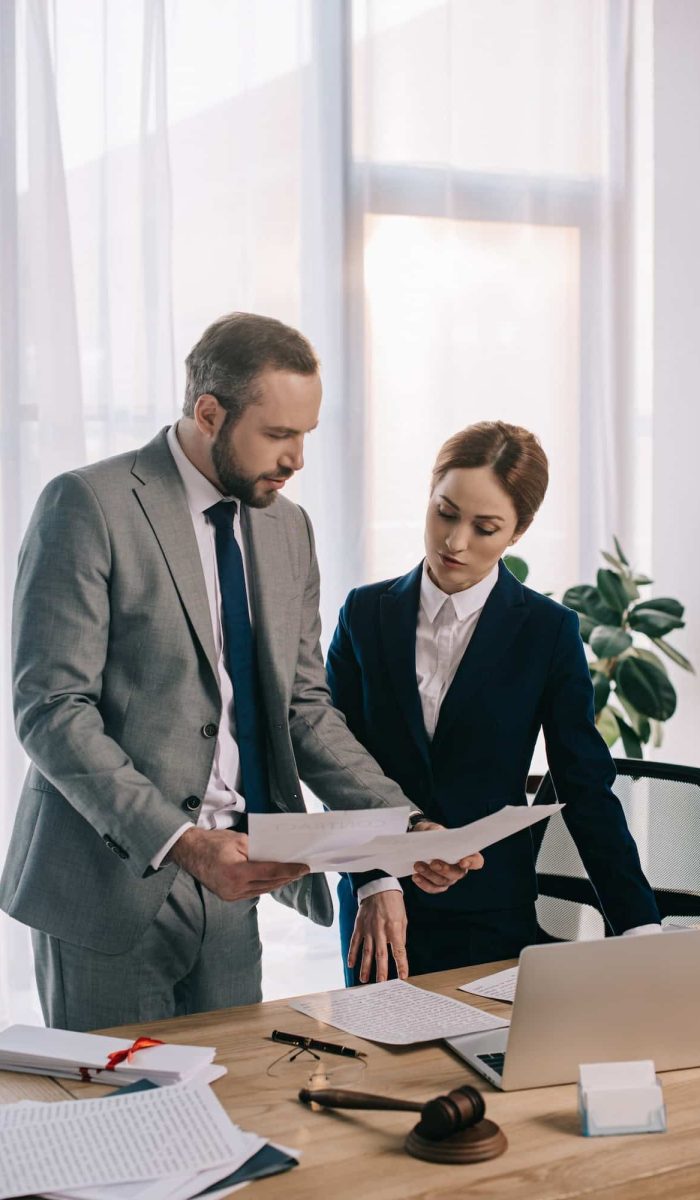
494 151
437 193
160 160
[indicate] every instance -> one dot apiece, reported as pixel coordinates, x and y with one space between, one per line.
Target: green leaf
640 724
653 622
517 567
608 642
612 590
642 580
601 689
646 687
620 552
610 558
631 589
630 741
657 733
674 654
580 598
586 626
662 604
608 728
587 600
649 656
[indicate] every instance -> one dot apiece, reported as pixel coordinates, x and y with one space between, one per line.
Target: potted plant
633 693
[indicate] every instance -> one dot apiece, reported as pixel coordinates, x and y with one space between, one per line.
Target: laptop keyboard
494 1061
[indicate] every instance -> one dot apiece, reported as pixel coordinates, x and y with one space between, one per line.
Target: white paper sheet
319 837
175 1131
293 837
499 986
396 1013
398 854
175 1187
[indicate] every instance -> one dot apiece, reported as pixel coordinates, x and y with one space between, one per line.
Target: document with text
396 1013
499 986
152 1135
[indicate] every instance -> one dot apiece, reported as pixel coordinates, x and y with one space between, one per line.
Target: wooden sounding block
452 1128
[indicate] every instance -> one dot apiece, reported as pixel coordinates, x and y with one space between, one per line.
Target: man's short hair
233 351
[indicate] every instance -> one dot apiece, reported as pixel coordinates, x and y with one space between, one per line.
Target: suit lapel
498 626
161 494
398 613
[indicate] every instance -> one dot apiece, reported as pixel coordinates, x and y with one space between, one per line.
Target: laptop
614 1000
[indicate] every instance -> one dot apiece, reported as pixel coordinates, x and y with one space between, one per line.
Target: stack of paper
86 1055
159 1144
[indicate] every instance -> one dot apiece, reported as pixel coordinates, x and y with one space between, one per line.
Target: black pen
307 1043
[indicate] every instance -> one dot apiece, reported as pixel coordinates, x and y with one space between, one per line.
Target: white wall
676 420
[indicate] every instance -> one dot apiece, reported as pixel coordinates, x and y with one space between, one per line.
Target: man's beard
231 476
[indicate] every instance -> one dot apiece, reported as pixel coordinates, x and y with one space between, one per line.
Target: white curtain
436 193
494 146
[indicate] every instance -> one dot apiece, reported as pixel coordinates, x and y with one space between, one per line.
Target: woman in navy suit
446 675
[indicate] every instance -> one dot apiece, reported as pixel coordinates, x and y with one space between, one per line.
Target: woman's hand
438 876
380 923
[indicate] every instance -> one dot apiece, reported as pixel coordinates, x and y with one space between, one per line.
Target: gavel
452 1128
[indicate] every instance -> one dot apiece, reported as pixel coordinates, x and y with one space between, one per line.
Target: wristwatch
414 819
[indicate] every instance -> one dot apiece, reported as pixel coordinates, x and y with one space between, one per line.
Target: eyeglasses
314 1064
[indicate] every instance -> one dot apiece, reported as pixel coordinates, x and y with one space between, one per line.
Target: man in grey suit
168 677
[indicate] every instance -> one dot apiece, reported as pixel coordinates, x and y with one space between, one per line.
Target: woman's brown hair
514 455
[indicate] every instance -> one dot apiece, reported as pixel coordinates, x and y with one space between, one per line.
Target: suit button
209 730
192 803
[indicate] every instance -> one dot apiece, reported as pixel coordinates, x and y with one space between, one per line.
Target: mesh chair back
662 806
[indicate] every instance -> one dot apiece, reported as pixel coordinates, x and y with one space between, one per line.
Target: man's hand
218 858
438 876
380 923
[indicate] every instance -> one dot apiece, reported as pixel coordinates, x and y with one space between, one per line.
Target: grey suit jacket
115 680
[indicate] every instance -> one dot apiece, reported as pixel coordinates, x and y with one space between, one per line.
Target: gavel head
452 1113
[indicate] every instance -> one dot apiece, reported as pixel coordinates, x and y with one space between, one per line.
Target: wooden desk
356 1155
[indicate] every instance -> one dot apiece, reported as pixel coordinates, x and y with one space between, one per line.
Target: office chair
661 802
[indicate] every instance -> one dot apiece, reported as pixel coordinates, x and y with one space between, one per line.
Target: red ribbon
118 1056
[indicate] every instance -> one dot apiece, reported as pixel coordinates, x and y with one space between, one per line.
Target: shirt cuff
386 884
637 929
158 858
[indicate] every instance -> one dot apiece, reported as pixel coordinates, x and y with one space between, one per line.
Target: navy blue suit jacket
524 670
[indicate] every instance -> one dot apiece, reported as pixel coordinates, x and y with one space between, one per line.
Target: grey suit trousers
199 953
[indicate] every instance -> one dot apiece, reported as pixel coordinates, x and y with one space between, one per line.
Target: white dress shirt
222 800
445 627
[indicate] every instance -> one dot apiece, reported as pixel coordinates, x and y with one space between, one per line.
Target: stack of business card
87 1056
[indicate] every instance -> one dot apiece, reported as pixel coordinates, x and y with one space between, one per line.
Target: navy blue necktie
241 659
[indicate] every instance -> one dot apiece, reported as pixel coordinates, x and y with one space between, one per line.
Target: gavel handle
339 1098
